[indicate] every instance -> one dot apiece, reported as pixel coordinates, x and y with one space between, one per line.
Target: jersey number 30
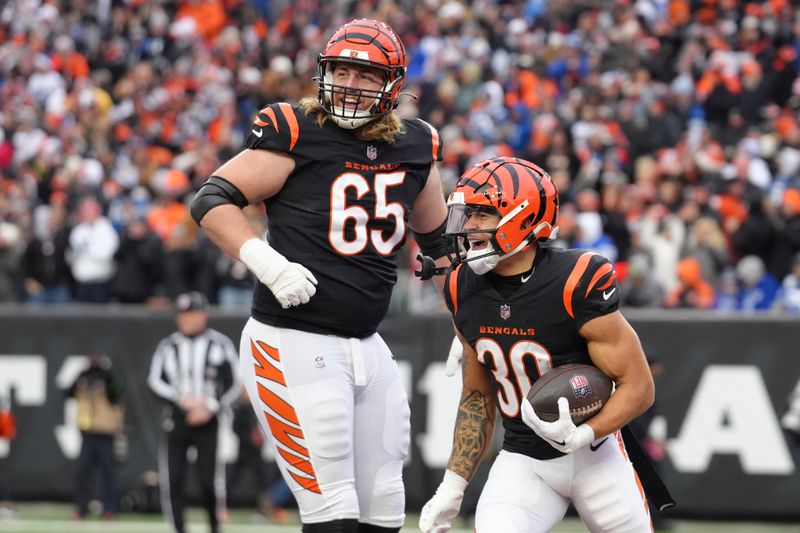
341 214
508 396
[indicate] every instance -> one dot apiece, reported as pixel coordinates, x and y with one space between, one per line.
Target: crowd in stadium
670 127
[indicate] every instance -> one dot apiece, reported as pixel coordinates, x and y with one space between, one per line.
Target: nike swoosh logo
594 448
524 279
559 442
607 295
258 133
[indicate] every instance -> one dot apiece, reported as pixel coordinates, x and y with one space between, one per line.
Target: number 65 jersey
520 337
342 214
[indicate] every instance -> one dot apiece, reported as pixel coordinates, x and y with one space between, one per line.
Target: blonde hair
707 229
385 128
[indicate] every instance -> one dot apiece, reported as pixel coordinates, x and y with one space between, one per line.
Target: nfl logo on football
372 152
505 311
580 386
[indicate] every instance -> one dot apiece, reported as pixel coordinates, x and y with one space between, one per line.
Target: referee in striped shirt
195 371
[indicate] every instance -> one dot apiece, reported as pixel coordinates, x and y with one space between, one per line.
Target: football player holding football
344 180
519 310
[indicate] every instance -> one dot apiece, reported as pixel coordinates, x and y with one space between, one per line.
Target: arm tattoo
473 431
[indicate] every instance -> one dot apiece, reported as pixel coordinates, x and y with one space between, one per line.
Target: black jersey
519 337
342 214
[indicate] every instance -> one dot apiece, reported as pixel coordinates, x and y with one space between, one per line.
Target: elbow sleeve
214 192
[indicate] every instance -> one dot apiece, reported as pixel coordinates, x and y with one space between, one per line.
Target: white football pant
526 495
336 411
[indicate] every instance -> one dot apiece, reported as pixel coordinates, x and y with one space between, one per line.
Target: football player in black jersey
344 179
520 309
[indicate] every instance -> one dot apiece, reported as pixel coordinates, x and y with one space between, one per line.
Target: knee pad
397 429
329 430
347 525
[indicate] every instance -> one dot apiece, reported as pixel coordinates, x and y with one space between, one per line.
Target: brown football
585 386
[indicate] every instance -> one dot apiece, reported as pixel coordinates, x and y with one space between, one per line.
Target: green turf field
55 518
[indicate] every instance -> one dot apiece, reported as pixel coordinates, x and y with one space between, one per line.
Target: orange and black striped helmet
366 43
523 195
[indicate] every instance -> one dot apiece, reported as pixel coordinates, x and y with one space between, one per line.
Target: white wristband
262 259
584 435
454 482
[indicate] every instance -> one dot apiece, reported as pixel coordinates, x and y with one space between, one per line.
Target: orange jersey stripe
608 283
284 434
269 350
434 142
277 404
454 289
263 368
271 114
602 271
573 279
294 127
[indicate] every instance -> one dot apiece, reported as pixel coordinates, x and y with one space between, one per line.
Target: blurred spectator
787 242
45 270
92 245
707 244
757 287
12 245
591 237
139 261
788 298
143 99
662 235
640 288
100 419
728 291
692 292
755 235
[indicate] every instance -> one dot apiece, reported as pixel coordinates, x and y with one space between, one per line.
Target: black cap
191 301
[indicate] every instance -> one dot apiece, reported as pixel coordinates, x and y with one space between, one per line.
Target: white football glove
563 434
291 283
438 514
454 357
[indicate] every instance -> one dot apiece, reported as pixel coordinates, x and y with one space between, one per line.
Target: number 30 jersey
520 337
342 214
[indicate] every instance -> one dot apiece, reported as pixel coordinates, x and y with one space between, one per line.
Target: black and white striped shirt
204 365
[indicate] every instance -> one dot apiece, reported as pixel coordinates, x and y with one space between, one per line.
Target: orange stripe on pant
287 435
264 368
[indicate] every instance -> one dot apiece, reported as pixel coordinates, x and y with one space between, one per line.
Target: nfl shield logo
580 386
372 152
505 311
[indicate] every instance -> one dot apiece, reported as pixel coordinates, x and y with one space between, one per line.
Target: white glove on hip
563 434
438 514
291 283
454 357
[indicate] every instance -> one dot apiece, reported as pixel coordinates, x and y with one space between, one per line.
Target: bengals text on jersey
521 336
342 214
